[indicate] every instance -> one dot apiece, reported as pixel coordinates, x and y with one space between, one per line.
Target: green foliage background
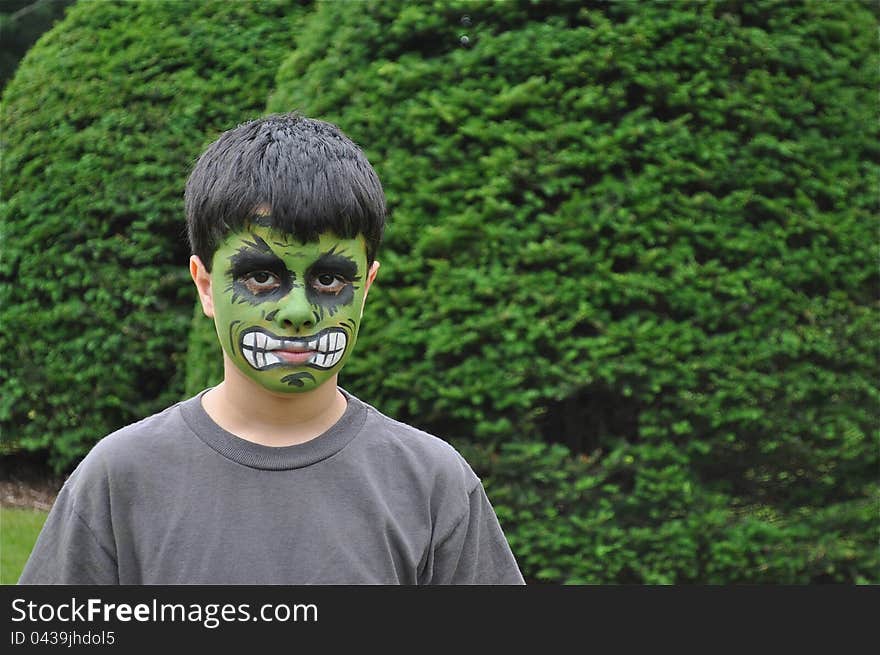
21 24
101 125
631 270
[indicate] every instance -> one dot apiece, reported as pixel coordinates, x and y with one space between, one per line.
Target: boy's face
287 313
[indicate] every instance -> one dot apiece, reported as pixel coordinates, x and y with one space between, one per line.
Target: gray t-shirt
176 499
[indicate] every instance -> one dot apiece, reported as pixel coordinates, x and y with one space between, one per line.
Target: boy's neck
241 406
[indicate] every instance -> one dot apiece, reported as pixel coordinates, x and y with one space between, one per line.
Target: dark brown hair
295 174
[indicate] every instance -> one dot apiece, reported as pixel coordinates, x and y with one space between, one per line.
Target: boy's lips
295 356
264 350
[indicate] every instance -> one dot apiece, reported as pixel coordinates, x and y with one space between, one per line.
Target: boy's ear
202 279
371 275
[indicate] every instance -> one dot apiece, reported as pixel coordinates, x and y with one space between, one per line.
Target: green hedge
101 125
630 272
645 232
638 515
22 22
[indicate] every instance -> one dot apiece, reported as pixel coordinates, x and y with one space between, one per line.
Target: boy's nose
296 313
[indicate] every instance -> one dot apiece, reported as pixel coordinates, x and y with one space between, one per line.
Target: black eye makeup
332 263
257 274
331 281
332 273
261 282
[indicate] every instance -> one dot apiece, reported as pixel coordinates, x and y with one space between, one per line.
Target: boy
276 475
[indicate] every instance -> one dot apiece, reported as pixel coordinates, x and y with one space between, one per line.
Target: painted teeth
261 341
257 348
330 347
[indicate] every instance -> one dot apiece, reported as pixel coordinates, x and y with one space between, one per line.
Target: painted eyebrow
331 262
258 244
248 259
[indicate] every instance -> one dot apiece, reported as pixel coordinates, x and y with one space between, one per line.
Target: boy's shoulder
122 459
165 423
135 445
401 445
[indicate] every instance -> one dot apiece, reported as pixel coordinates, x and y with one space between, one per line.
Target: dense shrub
636 514
21 24
645 232
631 269
101 124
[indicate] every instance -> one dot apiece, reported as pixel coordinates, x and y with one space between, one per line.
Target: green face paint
287 313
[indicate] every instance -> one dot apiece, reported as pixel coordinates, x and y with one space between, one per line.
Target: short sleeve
75 545
475 552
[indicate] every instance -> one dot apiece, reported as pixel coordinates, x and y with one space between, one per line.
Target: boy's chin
292 381
279 381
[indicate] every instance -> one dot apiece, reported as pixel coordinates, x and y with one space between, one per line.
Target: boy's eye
329 283
261 282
